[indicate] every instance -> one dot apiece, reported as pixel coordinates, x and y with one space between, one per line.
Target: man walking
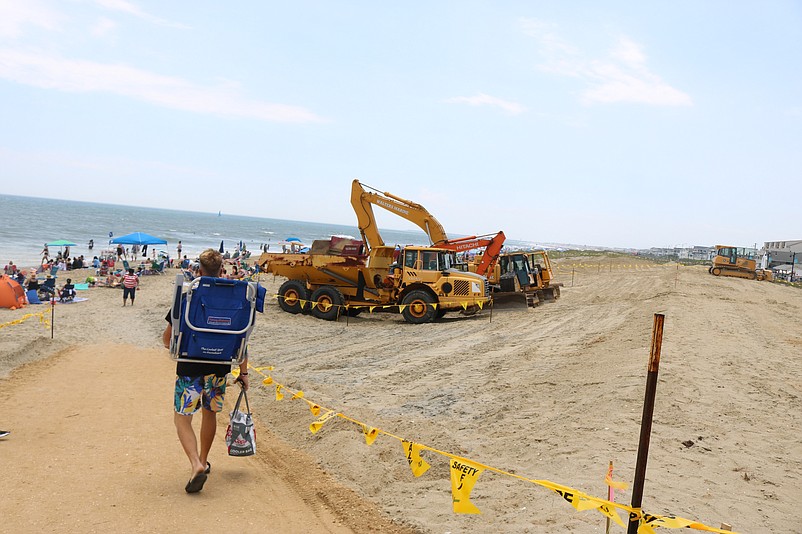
200 386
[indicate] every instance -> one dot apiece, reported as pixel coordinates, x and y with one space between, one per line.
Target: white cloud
103 27
620 76
482 99
16 14
133 9
80 76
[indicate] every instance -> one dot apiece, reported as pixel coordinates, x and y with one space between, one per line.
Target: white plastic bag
240 435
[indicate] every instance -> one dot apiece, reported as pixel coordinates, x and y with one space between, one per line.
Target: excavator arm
362 201
492 244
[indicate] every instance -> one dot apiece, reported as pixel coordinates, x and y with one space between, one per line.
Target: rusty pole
646 420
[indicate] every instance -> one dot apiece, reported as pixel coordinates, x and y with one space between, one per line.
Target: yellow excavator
362 201
510 275
738 262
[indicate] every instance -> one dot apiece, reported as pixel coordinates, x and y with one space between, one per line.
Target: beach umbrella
61 243
292 239
138 238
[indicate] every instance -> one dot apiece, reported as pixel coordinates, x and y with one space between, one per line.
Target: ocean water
27 223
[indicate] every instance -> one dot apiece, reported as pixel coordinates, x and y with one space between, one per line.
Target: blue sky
629 124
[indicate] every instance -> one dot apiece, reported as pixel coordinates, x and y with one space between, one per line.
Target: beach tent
11 293
138 238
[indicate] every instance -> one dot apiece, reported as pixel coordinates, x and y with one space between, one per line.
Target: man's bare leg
207 432
186 435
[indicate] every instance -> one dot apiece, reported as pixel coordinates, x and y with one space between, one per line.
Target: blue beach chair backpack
213 319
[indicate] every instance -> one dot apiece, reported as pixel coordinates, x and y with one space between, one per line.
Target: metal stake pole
52 315
646 420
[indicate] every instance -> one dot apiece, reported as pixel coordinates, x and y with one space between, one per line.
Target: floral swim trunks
192 392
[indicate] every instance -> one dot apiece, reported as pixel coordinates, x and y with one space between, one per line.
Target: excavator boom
362 201
491 243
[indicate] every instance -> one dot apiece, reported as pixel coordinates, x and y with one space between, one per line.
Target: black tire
326 302
418 307
715 271
440 313
710 270
291 293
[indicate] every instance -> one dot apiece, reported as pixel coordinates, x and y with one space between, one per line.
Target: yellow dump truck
340 276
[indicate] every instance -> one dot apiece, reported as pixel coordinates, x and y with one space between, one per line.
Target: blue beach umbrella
138 238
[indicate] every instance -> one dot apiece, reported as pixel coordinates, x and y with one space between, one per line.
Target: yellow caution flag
402 308
318 423
267 381
314 408
297 395
416 463
464 475
279 394
371 434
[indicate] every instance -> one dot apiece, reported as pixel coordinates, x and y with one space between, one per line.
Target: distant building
786 254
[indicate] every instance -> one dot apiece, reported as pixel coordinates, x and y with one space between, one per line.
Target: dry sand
548 393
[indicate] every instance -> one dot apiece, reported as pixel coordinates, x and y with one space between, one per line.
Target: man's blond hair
210 262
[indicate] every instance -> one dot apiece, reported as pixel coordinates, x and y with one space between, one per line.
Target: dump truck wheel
715 271
326 302
291 293
418 307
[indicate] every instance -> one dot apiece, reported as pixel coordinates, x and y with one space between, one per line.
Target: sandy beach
550 393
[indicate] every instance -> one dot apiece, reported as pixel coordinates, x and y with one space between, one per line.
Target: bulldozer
523 276
737 262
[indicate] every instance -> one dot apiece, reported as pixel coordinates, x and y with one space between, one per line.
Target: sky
617 123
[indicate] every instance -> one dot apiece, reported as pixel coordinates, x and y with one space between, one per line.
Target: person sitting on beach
67 292
236 274
10 269
96 262
32 282
113 280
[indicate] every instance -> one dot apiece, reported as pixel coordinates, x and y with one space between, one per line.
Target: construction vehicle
362 202
526 274
738 262
522 274
348 276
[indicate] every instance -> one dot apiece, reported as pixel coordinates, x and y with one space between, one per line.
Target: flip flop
208 468
196 483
